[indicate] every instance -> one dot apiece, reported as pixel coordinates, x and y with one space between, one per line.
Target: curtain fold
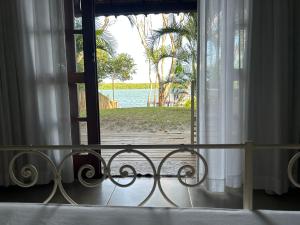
34 106
223 37
274 89
249 87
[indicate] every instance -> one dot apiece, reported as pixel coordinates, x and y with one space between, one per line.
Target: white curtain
274 88
223 37
34 104
249 87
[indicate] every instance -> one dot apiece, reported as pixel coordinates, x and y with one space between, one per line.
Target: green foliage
156 55
188 103
120 67
182 50
105 47
105 42
109 65
79 52
102 60
185 33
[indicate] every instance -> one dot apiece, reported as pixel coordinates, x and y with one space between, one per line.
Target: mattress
39 214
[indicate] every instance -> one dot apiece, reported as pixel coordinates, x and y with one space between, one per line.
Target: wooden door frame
88 78
88 9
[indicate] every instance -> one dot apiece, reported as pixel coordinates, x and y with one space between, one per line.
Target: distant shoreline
108 86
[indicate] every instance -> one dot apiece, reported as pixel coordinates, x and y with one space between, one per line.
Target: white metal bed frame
186 171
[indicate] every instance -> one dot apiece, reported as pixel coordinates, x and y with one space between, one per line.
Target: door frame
88 78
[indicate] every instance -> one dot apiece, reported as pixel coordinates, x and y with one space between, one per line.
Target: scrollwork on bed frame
291 164
29 174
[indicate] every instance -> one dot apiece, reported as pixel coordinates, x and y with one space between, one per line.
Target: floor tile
84 195
200 197
110 194
136 193
287 201
174 190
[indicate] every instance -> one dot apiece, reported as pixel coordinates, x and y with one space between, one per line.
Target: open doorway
146 67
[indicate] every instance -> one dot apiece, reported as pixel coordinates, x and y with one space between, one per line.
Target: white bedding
39 214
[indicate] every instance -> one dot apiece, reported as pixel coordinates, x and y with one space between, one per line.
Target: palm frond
105 41
132 20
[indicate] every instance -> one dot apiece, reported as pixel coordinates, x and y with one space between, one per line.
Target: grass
108 86
162 119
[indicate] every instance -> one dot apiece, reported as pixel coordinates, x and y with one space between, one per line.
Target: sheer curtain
249 87
274 88
223 37
34 105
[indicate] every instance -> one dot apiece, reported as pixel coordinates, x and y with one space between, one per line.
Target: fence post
248 176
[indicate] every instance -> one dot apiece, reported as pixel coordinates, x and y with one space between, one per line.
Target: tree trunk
161 94
150 91
154 96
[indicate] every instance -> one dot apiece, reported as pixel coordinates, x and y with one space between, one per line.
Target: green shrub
187 104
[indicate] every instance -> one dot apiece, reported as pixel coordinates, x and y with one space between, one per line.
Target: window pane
83 133
81 100
79 57
77 23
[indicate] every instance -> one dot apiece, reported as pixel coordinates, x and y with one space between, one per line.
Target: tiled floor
110 194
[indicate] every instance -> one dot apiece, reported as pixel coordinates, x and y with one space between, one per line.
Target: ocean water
128 98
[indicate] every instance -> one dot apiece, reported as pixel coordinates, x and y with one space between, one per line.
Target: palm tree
143 24
183 30
158 52
105 46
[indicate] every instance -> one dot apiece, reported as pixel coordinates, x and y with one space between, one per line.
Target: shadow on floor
110 194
